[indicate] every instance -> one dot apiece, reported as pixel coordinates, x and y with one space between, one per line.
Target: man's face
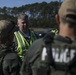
21 24
73 26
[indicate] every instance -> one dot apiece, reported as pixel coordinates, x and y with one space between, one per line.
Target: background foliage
40 14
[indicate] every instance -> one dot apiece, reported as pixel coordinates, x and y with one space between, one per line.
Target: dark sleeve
25 69
25 65
15 42
11 64
32 64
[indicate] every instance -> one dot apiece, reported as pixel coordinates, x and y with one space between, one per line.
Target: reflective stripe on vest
23 45
54 31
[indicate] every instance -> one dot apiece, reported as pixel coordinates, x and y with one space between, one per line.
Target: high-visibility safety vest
54 31
22 43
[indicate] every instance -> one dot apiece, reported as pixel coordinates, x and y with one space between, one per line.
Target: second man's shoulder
11 56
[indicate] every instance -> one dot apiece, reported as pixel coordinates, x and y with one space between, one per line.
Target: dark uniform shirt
11 62
45 56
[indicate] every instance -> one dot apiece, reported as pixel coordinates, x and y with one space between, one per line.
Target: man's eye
22 22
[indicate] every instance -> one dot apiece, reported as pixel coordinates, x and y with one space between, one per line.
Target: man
24 37
55 55
10 62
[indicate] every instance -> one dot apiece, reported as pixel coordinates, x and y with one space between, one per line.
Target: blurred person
10 62
55 55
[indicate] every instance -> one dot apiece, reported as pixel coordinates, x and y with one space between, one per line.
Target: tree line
40 14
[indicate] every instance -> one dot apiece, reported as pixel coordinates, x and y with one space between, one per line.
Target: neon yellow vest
54 31
23 44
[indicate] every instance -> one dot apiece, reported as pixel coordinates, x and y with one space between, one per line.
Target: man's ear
57 19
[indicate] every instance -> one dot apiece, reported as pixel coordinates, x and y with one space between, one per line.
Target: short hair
67 11
6 27
23 16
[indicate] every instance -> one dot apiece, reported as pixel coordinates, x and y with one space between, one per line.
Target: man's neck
67 32
71 36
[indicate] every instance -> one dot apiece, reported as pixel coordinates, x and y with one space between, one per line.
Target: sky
18 3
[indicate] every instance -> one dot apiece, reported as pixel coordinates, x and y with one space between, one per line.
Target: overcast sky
18 3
